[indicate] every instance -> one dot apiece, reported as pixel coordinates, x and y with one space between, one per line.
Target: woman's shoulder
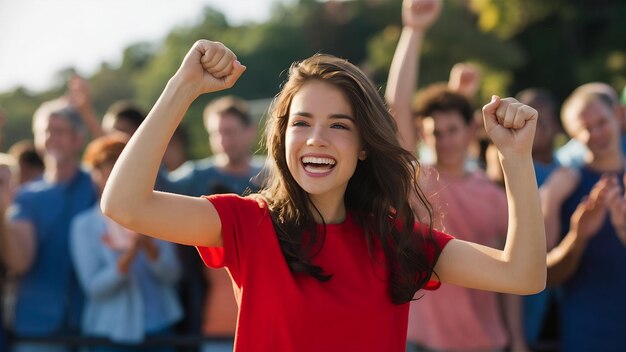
253 203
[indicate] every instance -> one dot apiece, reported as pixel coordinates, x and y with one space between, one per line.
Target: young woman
327 255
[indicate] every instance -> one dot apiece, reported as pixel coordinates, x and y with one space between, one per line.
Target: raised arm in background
417 17
79 96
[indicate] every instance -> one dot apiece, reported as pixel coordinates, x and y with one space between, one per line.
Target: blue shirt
201 177
592 306
49 299
542 171
123 307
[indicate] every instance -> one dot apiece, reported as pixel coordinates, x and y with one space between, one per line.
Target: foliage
556 44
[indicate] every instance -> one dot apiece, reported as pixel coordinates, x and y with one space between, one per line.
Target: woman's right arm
128 197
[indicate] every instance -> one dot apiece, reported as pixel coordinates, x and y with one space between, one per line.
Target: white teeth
315 160
317 170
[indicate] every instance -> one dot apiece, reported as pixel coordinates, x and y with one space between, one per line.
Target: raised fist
464 79
209 67
511 125
420 14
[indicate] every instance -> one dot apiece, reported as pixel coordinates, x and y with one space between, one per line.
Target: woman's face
322 142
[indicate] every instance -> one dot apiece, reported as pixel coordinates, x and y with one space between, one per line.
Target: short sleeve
433 252
239 217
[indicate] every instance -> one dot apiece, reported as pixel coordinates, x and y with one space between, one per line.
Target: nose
317 137
595 134
442 138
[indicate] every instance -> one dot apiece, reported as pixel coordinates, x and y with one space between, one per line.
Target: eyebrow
332 116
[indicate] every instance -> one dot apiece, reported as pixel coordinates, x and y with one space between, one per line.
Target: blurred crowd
69 271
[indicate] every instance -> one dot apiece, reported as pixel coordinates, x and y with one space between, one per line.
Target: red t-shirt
280 311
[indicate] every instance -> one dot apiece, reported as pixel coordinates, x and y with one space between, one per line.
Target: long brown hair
379 190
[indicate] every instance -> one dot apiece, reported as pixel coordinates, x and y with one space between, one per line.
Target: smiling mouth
318 165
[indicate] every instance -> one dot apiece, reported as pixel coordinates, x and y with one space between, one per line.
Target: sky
38 38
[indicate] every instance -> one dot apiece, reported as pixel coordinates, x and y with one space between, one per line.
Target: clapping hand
591 212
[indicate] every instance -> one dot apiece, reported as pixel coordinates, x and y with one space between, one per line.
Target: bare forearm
91 121
402 83
564 259
525 246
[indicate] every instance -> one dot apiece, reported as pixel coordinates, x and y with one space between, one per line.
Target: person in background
9 174
471 207
177 153
587 264
572 153
129 279
122 116
37 233
465 79
30 163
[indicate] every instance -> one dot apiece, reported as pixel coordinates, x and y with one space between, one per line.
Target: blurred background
129 49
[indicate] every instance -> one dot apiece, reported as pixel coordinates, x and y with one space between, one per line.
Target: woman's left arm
519 268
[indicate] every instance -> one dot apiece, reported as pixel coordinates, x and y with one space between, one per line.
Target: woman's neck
233 167
451 171
332 211
60 172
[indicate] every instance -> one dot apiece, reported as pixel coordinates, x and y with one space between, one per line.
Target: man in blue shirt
48 300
